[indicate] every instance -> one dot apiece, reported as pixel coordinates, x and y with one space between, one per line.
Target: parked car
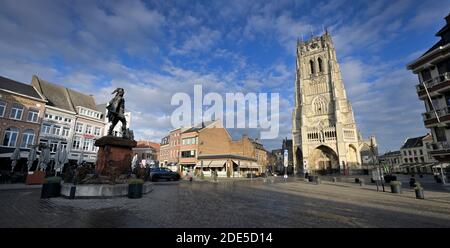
163 173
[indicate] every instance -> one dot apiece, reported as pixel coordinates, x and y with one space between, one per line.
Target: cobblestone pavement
245 203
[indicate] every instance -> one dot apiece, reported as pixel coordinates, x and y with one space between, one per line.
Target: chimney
447 18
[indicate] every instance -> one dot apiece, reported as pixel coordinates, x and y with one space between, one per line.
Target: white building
71 120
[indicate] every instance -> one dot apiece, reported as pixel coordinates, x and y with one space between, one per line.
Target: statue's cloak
116 108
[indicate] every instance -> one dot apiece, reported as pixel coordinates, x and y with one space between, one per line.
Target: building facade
59 119
71 121
433 71
415 155
325 136
169 154
209 147
148 152
22 110
391 161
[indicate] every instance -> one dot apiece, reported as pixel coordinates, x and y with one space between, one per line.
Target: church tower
324 133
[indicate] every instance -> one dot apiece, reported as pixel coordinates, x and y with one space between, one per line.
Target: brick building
21 112
209 146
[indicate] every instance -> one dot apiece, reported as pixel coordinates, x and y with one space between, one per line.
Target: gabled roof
198 127
413 142
20 88
56 95
80 99
394 153
148 144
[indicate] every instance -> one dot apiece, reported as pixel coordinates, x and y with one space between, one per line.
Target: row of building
209 147
46 113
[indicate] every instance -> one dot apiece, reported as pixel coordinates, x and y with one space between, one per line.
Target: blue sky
156 48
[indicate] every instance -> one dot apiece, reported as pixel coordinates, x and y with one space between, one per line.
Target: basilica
325 136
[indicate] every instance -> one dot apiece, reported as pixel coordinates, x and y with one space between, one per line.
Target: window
188 154
65 132
93 147
33 115
97 131
79 128
43 142
76 143
2 108
46 128
444 66
86 144
63 146
319 61
56 130
426 75
409 152
27 138
415 153
10 137
312 67
422 159
421 152
16 112
53 146
88 129
440 134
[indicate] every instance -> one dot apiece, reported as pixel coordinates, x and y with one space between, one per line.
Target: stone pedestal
35 177
114 155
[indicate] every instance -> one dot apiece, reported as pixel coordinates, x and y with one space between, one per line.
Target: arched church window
320 106
319 61
313 69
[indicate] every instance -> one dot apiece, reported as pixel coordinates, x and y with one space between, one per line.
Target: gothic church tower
324 132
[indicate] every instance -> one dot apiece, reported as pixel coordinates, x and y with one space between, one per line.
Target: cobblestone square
256 203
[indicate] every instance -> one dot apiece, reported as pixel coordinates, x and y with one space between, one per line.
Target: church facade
325 136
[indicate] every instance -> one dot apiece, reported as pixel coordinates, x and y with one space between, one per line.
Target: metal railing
442 145
432 114
434 81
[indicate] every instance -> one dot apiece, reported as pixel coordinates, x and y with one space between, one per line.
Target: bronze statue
116 112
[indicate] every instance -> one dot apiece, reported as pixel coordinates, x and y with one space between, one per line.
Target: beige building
391 161
415 156
325 136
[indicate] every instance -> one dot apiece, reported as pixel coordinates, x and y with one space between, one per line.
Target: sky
154 49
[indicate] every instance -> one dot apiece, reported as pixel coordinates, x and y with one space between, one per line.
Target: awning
247 164
212 163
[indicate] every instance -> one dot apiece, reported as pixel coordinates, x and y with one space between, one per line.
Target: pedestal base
36 177
114 155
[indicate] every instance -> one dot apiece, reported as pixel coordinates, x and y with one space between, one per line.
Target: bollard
419 193
334 179
361 182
